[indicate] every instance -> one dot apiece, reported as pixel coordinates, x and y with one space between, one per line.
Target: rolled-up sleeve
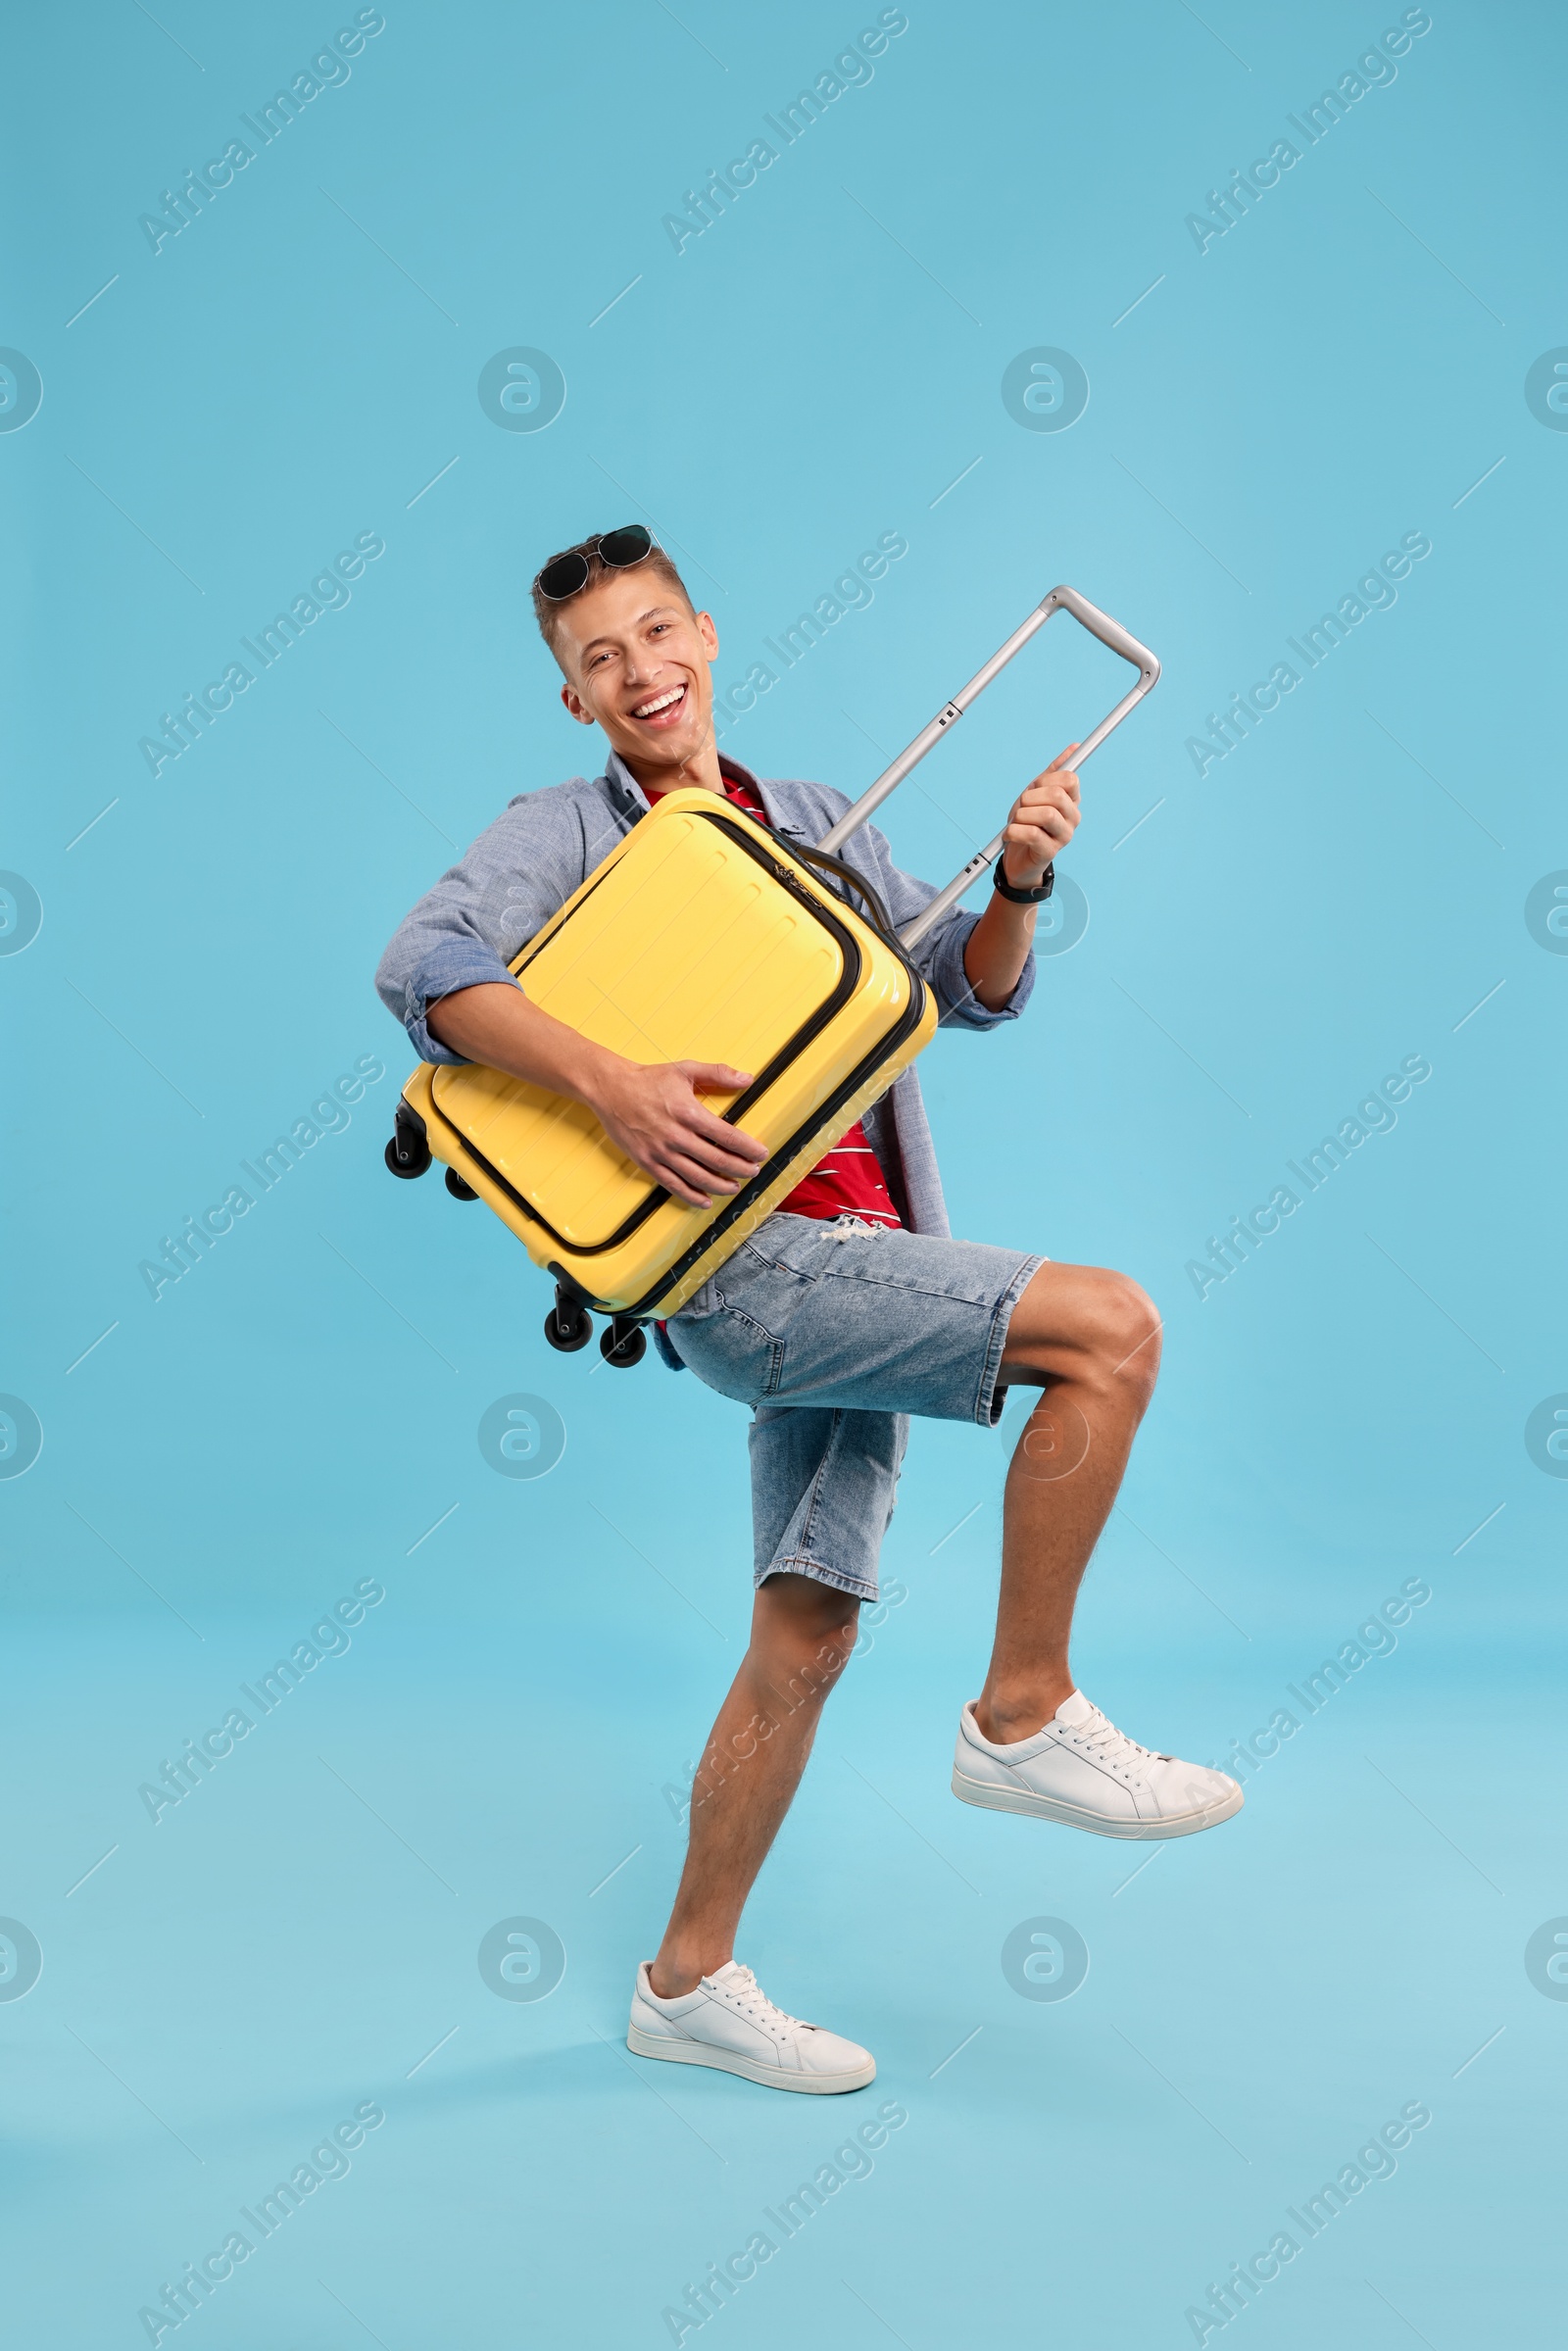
484 910
940 959
417 972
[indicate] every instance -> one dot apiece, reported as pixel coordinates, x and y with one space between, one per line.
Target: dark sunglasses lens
563 577
619 548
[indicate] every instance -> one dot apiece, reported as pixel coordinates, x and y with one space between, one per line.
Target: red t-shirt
847 1181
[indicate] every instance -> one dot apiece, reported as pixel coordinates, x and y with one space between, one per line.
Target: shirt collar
627 795
622 787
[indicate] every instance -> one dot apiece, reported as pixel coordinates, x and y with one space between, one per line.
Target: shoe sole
1068 1815
730 2061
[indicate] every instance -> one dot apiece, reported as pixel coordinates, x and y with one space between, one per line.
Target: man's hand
653 1112
1044 819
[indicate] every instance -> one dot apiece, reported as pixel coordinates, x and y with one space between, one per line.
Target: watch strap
1022 898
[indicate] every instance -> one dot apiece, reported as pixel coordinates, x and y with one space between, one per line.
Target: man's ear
573 701
707 635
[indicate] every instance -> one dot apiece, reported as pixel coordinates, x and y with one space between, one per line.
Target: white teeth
661 702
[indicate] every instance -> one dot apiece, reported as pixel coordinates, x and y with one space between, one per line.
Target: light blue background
1340 892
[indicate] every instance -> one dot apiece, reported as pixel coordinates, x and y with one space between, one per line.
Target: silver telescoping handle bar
1060 599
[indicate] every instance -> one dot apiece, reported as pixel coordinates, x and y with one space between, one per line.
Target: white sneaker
729 2022
1080 1770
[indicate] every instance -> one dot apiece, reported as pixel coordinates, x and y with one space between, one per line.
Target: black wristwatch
1022 898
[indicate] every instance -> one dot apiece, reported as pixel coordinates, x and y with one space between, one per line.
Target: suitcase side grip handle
836 866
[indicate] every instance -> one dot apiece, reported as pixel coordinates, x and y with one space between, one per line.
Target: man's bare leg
1091 1339
802 1634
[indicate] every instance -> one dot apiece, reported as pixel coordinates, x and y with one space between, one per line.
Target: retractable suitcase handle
1060 599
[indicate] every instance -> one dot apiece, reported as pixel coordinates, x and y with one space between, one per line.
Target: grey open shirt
485 909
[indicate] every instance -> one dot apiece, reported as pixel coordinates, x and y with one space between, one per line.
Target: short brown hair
547 611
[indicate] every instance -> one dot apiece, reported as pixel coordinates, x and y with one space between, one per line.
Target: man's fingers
717 1077
1061 816
679 1173
1047 836
678 1188
1045 812
682 1145
696 1184
1057 781
1034 804
698 1121
734 1142
706 1165
706 1155
713 1145
1062 758
1051 795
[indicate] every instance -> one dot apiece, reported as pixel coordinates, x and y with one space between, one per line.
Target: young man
847 1311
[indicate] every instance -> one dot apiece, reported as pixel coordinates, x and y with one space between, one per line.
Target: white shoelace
748 1995
1102 1735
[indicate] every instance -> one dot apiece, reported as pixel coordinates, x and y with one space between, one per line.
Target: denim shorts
835 1333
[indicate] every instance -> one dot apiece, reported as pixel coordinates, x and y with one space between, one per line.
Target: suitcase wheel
458 1188
623 1344
568 1326
407 1154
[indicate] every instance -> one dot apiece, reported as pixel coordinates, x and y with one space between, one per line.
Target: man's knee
810 1627
1088 1322
1125 1334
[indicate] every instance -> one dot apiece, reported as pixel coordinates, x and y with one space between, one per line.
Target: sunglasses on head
619 549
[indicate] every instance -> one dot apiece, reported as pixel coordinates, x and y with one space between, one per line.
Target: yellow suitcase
703 935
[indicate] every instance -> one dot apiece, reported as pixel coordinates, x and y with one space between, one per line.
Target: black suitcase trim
826 1011
645 1306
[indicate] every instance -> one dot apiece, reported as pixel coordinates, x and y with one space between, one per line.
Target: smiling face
638 662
